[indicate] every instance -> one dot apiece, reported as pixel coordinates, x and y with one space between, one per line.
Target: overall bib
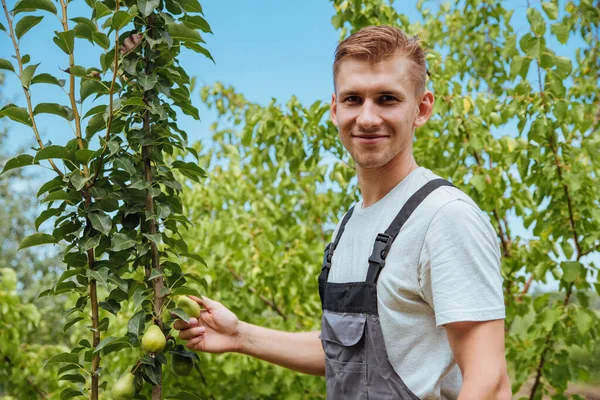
356 360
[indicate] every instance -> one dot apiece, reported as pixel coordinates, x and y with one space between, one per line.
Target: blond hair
378 43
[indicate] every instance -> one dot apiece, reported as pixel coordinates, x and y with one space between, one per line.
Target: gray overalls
356 360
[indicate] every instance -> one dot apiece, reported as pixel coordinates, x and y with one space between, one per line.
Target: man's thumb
205 302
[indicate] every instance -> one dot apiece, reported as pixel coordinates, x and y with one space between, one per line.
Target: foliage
115 200
515 126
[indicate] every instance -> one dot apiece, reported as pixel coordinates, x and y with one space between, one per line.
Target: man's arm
300 351
478 348
218 330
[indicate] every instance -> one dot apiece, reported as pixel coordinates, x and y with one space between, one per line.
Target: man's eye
387 98
352 99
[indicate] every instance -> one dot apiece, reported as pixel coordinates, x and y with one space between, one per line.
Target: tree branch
11 33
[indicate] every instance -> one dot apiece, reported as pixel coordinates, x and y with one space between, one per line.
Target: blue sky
263 48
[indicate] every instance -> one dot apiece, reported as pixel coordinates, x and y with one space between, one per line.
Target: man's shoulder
445 198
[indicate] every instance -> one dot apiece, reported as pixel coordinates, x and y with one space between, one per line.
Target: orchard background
148 171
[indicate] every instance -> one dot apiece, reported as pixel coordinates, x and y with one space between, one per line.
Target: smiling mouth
369 139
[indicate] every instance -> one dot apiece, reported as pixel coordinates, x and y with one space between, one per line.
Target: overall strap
384 241
327 257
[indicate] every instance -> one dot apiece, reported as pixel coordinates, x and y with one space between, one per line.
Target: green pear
182 365
189 306
154 340
124 388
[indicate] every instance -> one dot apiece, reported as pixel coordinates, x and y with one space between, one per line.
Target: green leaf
89 242
538 25
135 326
189 169
53 151
69 393
563 66
120 19
28 74
584 321
47 78
561 31
533 46
571 270
45 215
184 396
89 87
550 9
478 181
75 378
2 27
36 239
67 358
101 10
195 257
20 161
155 238
71 323
7 65
57 196
33 5
17 114
147 7
183 33
120 242
104 342
147 82
155 274
196 22
99 275
65 40
101 39
191 5
51 184
180 314
85 155
25 24
53 108
100 221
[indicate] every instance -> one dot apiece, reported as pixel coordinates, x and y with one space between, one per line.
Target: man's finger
204 302
191 333
192 343
181 324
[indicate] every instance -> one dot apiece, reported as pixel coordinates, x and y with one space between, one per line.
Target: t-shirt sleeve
460 266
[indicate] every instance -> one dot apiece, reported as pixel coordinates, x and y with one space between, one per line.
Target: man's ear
333 109
425 108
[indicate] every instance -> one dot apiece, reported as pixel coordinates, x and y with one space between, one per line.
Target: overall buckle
381 248
327 257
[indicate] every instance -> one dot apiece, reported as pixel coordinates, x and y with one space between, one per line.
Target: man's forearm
300 352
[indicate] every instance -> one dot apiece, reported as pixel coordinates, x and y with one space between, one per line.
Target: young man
410 286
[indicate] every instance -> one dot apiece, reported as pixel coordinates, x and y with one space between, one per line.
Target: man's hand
216 331
478 348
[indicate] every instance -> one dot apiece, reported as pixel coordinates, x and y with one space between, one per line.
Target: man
410 286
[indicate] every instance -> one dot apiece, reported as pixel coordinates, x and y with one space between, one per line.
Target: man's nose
368 117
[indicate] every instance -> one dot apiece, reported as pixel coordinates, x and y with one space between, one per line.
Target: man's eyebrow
349 93
399 95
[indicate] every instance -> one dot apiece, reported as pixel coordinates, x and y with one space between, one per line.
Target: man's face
376 110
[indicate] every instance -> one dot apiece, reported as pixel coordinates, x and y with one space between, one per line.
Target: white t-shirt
444 266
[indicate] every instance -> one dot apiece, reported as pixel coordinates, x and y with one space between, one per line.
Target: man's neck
375 183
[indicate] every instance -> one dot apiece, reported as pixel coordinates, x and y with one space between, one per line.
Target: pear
182 365
154 340
189 306
124 388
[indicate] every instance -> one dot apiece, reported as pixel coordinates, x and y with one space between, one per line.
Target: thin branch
110 104
39 391
11 33
265 300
